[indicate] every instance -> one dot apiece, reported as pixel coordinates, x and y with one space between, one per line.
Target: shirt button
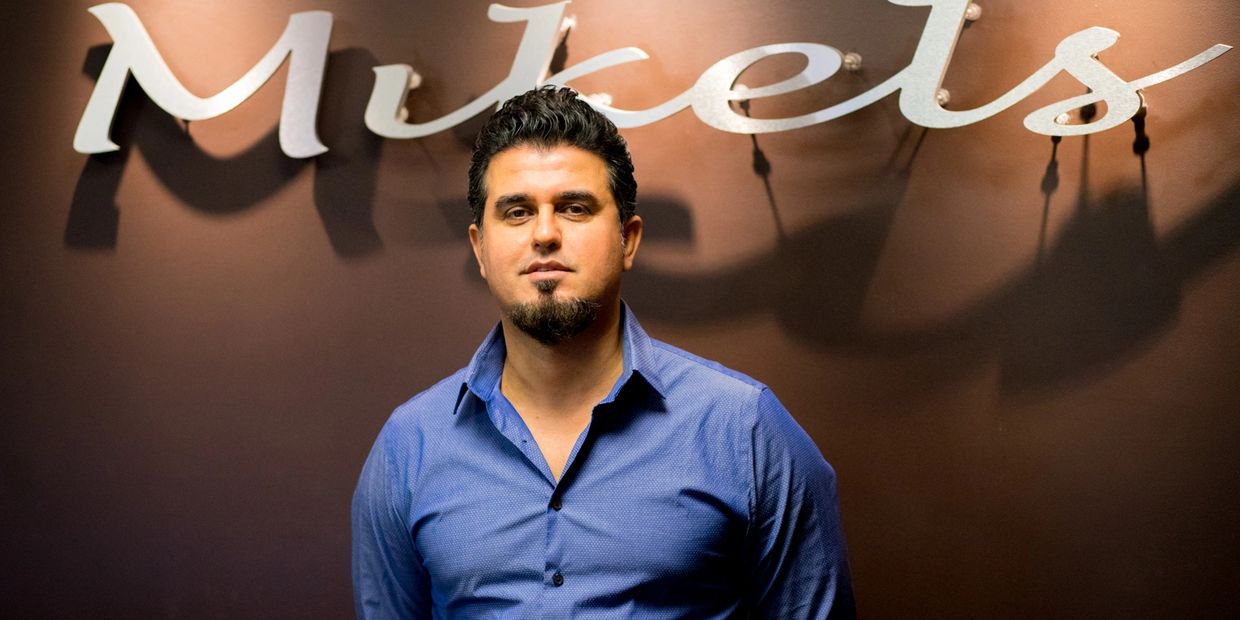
555 503
557 579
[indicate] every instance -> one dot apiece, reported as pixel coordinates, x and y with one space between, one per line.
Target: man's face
551 230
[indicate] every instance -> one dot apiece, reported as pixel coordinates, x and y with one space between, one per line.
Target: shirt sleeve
798 564
389 580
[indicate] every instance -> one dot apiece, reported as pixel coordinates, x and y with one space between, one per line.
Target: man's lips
548 267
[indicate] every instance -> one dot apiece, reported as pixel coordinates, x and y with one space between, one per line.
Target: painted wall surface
1021 356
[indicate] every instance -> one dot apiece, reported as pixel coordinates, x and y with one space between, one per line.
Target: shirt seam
389 489
752 542
713 367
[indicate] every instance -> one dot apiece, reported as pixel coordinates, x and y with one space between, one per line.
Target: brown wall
1021 359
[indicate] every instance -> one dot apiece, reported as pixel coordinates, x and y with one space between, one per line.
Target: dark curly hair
547 117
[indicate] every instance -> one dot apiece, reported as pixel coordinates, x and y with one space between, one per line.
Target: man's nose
546 230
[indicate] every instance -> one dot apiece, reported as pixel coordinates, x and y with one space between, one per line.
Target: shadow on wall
1103 290
344 177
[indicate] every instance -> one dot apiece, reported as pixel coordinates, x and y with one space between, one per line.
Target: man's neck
563 379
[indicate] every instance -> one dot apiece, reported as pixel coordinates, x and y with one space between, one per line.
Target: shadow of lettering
345 176
344 181
814 279
1104 289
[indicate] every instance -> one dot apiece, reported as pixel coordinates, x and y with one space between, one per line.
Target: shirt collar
484 370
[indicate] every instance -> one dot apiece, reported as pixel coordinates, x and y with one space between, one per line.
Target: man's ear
631 233
475 242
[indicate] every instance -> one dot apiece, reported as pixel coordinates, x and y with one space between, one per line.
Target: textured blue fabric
691 494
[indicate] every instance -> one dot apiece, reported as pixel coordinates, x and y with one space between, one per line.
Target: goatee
552 321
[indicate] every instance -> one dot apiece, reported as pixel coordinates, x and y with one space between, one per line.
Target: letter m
304 41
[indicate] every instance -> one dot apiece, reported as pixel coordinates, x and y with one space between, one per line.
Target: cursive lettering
305 41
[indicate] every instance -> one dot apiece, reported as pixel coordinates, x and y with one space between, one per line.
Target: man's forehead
540 155
530 168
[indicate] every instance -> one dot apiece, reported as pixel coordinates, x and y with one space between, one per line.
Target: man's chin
546 287
553 319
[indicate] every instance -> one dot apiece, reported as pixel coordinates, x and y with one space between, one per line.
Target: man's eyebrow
577 195
508 200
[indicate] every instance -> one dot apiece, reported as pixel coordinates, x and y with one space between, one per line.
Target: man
578 468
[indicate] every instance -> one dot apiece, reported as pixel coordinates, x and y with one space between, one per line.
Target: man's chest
643 517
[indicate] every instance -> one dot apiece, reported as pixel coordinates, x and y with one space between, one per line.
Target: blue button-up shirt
691 494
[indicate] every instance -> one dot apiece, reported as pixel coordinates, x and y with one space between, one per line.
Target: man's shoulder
430 407
678 367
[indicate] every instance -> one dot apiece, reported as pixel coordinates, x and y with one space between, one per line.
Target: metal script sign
305 43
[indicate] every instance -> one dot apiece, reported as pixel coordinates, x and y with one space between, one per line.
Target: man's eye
575 209
517 213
